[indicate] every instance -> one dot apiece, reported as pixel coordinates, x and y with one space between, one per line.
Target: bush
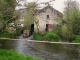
52 37
7 35
38 36
13 55
18 31
49 36
77 39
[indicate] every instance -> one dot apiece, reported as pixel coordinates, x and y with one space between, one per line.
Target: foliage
71 14
7 12
11 33
13 55
7 8
76 27
49 36
1 26
7 35
52 37
57 29
28 15
18 31
60 14
65 31
38 36
77 39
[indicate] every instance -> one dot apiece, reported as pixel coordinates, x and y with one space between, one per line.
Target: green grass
52 37
77 39
18 31
38 36
49 36
13 55
7 35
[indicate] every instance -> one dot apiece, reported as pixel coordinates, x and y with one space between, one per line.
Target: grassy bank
11 33
7 35
76 39
49 36
13 55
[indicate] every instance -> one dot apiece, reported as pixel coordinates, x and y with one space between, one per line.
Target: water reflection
44 50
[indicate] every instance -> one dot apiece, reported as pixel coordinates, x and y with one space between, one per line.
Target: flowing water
21 37
47 51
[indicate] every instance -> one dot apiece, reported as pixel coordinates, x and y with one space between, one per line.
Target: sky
57 4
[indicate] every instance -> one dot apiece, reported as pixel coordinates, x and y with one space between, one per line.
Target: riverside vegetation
8 15
70 24
6 34
13 55
76 39
48 36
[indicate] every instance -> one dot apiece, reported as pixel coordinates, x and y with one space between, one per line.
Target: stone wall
43 20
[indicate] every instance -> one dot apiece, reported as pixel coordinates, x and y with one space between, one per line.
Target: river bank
40 49
38 41
13 55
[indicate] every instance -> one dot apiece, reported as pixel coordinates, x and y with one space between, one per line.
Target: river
48 51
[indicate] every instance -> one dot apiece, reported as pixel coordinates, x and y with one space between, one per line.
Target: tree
71 17
7 12
7 9
28 15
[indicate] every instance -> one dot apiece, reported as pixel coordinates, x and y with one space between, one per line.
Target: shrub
13 55
18 31
77 39
49 36
7 35
37 36
52 37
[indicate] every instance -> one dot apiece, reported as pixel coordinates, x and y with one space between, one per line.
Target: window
47 16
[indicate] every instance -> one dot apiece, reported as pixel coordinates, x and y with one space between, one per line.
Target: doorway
49 27
31 29
46 27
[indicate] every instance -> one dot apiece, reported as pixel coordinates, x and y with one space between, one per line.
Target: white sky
57 4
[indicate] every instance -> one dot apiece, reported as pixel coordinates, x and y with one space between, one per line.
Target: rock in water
26 33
